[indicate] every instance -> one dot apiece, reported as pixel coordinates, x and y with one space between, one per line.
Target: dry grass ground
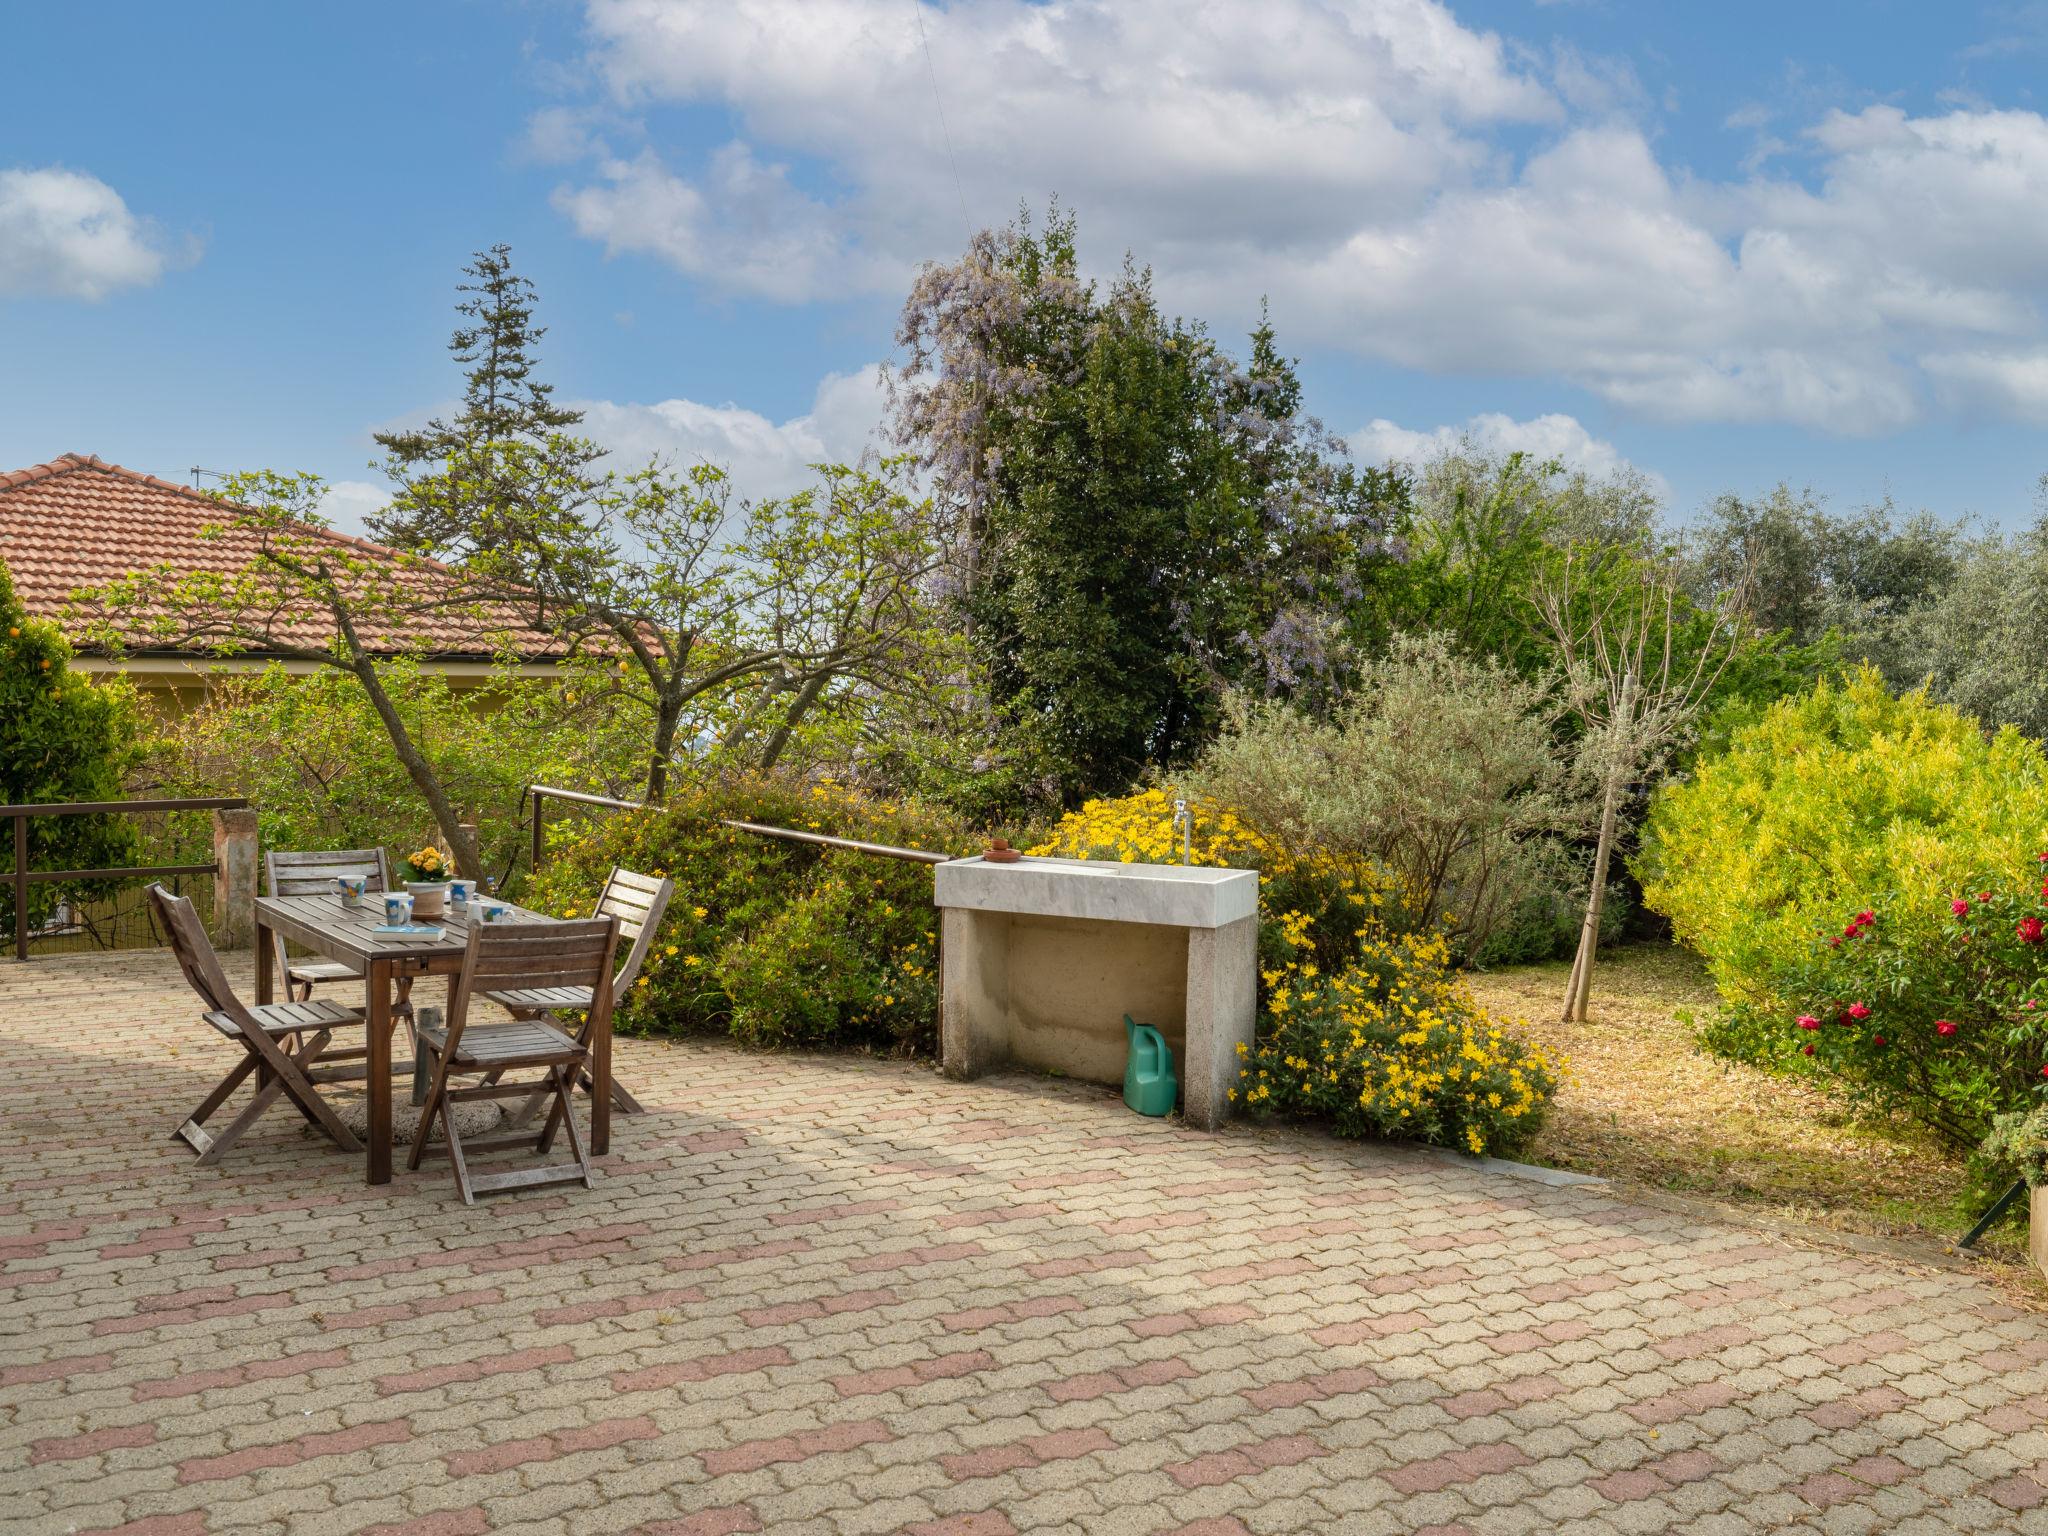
1645 1105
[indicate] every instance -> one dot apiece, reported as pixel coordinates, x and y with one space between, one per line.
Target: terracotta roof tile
79 521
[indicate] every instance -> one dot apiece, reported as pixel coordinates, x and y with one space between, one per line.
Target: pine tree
62 738
498 349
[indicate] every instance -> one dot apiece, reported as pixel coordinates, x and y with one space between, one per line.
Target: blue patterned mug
351 888
398 908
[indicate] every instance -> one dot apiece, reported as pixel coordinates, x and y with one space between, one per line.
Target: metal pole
1984 1222
537 794
20 887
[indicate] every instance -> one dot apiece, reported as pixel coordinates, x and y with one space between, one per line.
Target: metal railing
24 876
540 792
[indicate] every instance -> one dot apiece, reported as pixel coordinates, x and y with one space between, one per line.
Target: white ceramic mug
458 893
398 908
351 888
490 910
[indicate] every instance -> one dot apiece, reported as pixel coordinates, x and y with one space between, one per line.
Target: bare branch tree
1640 662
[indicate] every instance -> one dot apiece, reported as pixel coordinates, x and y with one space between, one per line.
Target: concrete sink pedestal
1044 957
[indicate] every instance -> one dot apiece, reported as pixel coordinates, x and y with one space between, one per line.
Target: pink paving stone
1202 1189
992 1461
1437 1242
1461 1466
726 1520
1263 1269
514 1253
507 1454
1372 1328
78 1447
473 1370
1879 1471
1244 1460
261 1258
813 1214
752 1455
1684 1404
1627 1487
2017 1493
289 1453
237 1375
445 1522
983 1522
1153 1373
191 1523
2007 1418
718 1258
1089 1263
1706 1341
1868 1347
1568 1288
403 1311
1848 1412
1166 1324
1314 1389
824 1306
913 1258
740 1362
1419 1279
893 1378
1827 1489
54 1370
1215 1525
1009 1312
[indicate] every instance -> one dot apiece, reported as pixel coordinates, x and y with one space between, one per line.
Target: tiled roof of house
80 522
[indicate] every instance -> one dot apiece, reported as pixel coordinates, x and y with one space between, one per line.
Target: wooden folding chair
281 1042
313 874
516 957
639 903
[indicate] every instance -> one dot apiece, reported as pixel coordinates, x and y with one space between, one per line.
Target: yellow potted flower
426 876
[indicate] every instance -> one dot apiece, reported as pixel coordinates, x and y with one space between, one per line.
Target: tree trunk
424 779
1578 991
668 714
771 750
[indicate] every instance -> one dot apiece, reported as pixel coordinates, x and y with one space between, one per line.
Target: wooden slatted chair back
639 902
288 873
195 952
511 957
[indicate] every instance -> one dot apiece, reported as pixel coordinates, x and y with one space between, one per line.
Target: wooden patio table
322 923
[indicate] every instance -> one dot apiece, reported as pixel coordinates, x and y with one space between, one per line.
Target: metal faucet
1184 824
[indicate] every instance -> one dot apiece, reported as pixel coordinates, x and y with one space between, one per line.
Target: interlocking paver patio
827 1295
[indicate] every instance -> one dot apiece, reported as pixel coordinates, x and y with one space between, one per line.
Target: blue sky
1728 243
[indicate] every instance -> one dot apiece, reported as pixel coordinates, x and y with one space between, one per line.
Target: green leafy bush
1395 1045
1844 801
775 942
62 737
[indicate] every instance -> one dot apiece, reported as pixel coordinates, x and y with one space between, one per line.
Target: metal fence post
20 887
234 881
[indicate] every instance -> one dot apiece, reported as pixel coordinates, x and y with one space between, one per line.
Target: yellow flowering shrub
1395 1045
1330 899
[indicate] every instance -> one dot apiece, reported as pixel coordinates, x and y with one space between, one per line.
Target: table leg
601 1086
266 962
378 1066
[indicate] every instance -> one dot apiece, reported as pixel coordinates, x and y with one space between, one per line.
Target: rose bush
1933 1005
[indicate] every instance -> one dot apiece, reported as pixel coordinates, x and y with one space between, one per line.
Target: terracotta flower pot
429 897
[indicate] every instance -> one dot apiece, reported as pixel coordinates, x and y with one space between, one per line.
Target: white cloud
1368 165
765 457
1551 436
349 503
70 235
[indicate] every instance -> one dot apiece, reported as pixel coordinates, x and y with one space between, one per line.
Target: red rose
1959 906
1983 895
2030 930
1808 1021
1859 1011
1943 1027
1809 1051
1835 942
1866 918
1879 1040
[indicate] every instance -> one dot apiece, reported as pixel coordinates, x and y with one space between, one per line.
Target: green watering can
1149 1084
